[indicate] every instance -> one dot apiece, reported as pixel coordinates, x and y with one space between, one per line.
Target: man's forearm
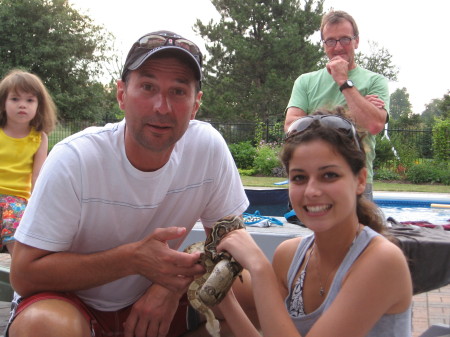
365 114
64 271
292 114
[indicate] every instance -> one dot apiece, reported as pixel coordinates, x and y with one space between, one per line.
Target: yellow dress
16 163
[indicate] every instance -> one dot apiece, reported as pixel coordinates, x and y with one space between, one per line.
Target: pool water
436 216
401 207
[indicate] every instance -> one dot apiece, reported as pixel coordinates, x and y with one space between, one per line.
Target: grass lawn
377 186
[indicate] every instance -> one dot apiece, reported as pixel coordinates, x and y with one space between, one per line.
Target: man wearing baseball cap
97 248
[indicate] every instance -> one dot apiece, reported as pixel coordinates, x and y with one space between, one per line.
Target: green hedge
244 154
432 172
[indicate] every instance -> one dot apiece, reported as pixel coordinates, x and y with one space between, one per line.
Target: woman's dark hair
368 212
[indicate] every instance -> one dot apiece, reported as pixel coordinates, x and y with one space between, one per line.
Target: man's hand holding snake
156 261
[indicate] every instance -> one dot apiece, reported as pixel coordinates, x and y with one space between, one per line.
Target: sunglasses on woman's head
330 121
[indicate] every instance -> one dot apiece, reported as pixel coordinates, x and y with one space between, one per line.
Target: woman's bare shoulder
284 253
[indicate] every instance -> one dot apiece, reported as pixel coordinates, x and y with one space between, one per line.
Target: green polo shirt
318 90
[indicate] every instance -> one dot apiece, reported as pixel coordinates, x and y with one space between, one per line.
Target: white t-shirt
90 198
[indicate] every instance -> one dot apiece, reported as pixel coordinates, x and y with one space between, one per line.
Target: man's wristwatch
347 84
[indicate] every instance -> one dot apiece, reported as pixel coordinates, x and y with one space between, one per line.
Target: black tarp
428 254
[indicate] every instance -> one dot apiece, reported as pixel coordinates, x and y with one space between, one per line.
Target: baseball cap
163 41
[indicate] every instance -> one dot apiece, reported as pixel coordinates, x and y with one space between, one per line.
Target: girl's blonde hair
18 80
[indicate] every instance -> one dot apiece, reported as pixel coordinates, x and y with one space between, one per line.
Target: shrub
268 133
248 172
243 154
266 159
429 173
386 174
408 154
383 152
441 142
445 177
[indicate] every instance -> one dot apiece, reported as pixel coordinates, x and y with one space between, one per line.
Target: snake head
221 228
223 255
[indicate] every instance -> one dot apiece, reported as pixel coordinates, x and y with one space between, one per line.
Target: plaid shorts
11 211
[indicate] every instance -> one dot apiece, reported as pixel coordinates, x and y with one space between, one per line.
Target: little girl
27 115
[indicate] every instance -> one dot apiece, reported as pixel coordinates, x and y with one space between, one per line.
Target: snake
210 288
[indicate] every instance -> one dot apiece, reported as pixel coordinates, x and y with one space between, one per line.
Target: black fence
235 132
232 132
419 142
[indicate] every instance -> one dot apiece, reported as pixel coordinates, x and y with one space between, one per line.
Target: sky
414 33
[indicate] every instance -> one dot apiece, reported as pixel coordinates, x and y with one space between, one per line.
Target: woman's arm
236 317
272 313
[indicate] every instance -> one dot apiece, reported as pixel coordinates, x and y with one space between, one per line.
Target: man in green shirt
342 82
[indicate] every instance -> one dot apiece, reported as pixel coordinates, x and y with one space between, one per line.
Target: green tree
431 112
400 111
438 108
400 104
256 51
441 140
402 117
379 60
444 106
65 48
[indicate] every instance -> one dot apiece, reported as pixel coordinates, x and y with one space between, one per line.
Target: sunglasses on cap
153 41
330 121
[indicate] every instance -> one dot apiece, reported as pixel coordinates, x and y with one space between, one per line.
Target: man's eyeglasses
330 121
345 41
153 41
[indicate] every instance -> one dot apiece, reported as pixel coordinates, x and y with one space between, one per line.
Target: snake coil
209 289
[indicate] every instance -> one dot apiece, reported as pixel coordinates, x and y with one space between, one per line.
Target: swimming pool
414 206
436 216
398 205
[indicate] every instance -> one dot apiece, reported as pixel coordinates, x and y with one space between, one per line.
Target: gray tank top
392 325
